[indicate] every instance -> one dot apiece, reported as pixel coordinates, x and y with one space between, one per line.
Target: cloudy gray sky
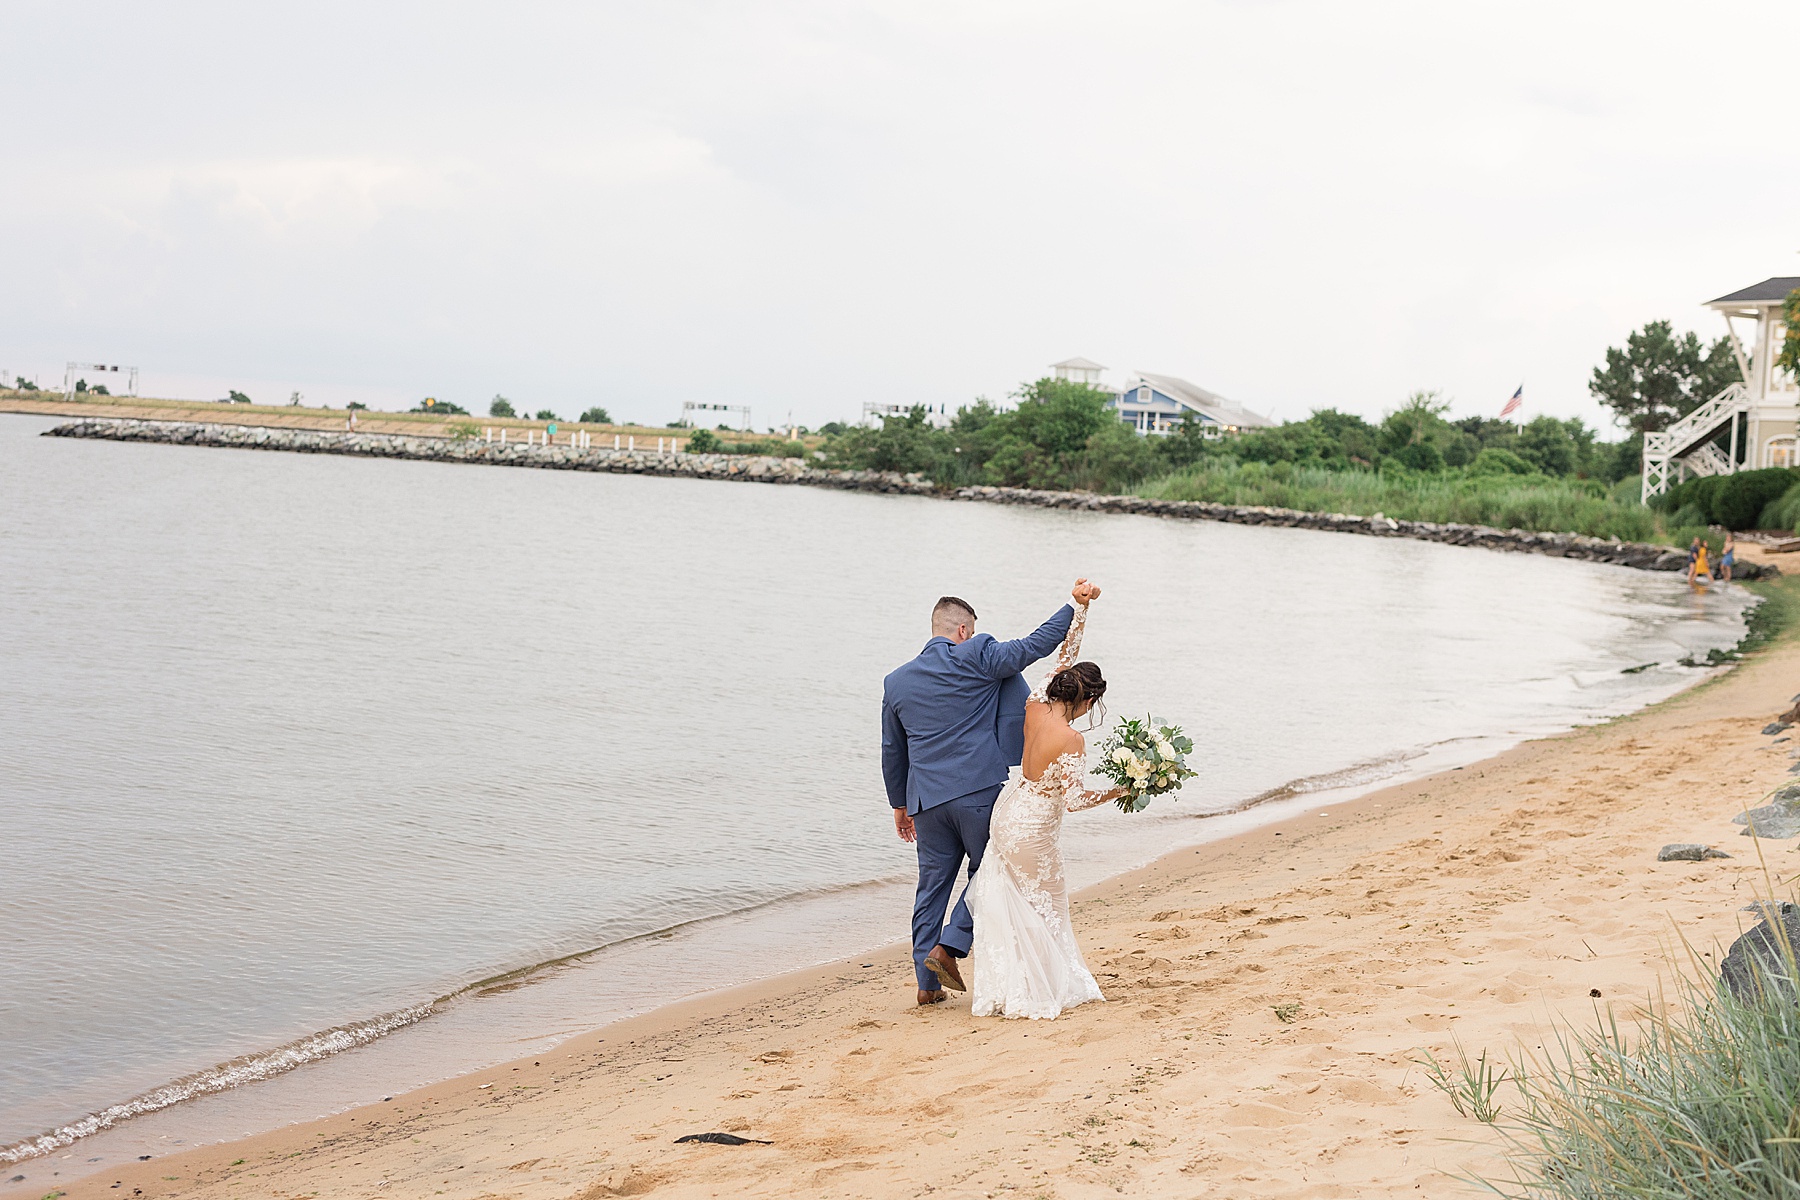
805 205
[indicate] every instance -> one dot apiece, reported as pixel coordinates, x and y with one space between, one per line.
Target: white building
1758 414
1153 404
873 414
1080 370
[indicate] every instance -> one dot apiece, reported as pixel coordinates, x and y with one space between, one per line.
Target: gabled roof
1204 402
1079 364
1769 291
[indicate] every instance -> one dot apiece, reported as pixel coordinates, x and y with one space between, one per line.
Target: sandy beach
1482 905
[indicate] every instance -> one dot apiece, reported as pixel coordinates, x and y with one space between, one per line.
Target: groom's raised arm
1000 659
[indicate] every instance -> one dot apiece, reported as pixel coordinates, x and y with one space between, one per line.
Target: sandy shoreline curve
1483 904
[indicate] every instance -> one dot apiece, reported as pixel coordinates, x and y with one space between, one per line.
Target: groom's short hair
951 611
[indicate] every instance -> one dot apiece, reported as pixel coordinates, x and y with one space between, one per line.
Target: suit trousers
947 834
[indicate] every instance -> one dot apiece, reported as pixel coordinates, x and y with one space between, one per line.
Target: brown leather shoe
939 963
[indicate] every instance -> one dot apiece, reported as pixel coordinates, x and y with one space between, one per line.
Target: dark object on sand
1760 964
1688 852
1775 727
723 1139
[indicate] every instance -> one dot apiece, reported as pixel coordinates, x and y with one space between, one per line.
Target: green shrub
1548 445
501 407
1741 498
1734 501
1420 456
705 441
1690 514
1783 512
596 416
1494 461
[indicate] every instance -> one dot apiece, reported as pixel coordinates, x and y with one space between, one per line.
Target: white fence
581 439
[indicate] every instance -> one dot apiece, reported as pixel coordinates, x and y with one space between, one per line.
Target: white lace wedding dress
1025 959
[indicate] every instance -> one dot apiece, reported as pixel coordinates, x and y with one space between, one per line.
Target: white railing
1709 460
580 439
1703 422
1688 443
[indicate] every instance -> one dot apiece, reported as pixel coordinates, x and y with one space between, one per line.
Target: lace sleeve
1076 797
1065 655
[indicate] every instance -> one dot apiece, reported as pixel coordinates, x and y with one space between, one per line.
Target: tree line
1063 435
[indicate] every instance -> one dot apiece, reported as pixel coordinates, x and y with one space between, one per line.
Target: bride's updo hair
1073 685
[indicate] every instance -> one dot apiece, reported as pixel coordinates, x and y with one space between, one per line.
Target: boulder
1780 818
1769 821
1760 964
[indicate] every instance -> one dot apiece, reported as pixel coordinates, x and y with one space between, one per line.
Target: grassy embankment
1502 501
287 416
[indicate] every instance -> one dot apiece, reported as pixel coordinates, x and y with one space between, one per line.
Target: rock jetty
767 469
751 468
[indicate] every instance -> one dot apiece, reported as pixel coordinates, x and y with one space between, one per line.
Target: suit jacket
953 719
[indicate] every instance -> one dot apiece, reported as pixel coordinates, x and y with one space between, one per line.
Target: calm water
289 742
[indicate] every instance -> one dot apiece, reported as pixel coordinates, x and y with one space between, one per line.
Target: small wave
1372 770
252 1068
225 1076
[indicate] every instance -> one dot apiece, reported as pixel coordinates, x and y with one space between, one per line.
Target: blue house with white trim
1156 404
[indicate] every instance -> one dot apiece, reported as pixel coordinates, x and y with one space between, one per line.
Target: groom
952 726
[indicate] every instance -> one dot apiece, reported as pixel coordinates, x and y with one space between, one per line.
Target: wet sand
1483 904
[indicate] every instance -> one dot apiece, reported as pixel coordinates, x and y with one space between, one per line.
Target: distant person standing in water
1697 568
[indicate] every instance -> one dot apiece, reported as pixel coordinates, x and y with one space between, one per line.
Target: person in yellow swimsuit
1697 569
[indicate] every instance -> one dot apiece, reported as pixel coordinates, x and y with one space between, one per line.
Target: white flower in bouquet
1146 757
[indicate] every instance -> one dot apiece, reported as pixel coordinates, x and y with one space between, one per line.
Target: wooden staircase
1689 444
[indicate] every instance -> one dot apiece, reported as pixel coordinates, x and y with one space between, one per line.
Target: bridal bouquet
1146 756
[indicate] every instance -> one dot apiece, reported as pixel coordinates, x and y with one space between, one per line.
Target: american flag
1512 406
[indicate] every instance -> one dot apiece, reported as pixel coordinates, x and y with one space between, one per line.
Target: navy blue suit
952 728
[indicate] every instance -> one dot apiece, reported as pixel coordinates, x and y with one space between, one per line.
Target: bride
1025 958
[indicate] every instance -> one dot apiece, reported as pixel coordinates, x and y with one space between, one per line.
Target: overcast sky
803 206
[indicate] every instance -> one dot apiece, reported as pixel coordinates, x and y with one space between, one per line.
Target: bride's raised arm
1065 654
1071 646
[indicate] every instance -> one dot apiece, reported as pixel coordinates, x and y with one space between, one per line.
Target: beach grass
1536 502
1695 1096
1701 1100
